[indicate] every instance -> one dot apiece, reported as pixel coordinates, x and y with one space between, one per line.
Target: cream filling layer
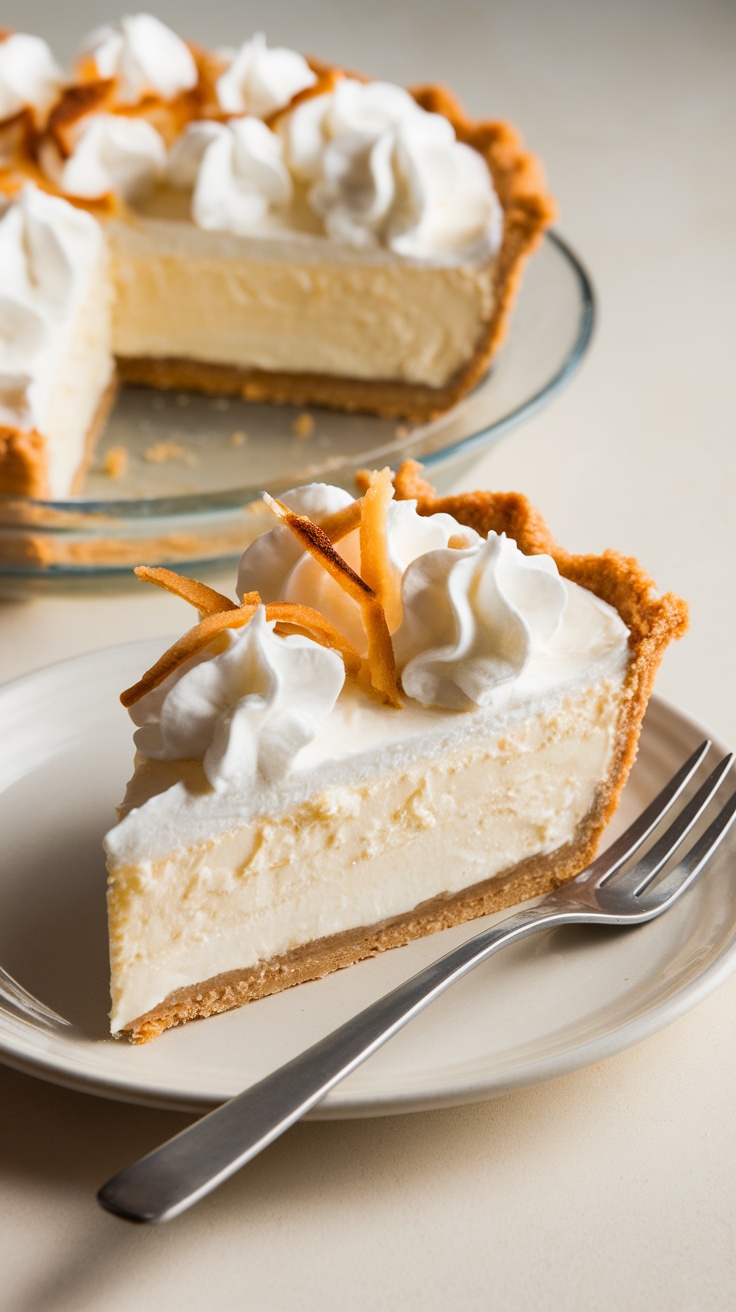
294 304
351 856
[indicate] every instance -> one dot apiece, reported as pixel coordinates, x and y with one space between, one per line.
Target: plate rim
340 1105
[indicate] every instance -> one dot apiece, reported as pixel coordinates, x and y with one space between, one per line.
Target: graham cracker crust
385 397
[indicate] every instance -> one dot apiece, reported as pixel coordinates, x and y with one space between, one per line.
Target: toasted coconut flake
74 105
316 542
337 526
290 615
327 80
381 661
206 600
375 565
187 646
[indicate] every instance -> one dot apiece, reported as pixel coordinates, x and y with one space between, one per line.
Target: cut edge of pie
653 620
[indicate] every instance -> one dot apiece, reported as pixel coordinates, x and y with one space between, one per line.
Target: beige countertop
615 1187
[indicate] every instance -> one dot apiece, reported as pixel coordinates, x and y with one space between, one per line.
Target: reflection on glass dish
178 476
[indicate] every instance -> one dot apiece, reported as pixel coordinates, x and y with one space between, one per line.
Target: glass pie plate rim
104 521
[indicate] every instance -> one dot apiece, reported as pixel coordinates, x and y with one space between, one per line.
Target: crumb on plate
303 425
116 462
160 452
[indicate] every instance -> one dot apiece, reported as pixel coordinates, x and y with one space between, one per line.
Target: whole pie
419 710
243 221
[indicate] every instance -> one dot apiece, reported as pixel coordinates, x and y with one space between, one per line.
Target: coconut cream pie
418 711
274 228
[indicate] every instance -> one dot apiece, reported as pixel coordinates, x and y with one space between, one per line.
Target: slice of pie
276 228
420 710
56 369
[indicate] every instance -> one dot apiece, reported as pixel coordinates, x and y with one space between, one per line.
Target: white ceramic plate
542 1008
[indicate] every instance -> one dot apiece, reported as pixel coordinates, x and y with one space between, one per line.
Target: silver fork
21 1000
176 1175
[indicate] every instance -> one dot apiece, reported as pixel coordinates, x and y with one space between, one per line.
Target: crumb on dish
116 462
303 425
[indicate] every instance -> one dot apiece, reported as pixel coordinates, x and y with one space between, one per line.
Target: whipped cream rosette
143 56
30 78
246 710
110 134
236 171
112 154
260 80
379 168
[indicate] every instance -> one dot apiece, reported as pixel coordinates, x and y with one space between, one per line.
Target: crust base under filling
387 398
311 961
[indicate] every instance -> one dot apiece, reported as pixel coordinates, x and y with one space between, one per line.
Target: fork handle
176 1175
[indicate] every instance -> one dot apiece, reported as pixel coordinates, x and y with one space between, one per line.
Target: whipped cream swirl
244 707
112 153
258 80
236 170
379 169
473 619
474 611
144 56
48 250
276 566
29 75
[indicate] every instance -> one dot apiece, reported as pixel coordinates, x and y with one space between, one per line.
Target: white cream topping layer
112 153
29 75
50 253
363 164
144 56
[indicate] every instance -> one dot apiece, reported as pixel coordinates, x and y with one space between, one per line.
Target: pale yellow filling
293 306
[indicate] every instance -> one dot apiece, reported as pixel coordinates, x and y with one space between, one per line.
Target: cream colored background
614 1188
